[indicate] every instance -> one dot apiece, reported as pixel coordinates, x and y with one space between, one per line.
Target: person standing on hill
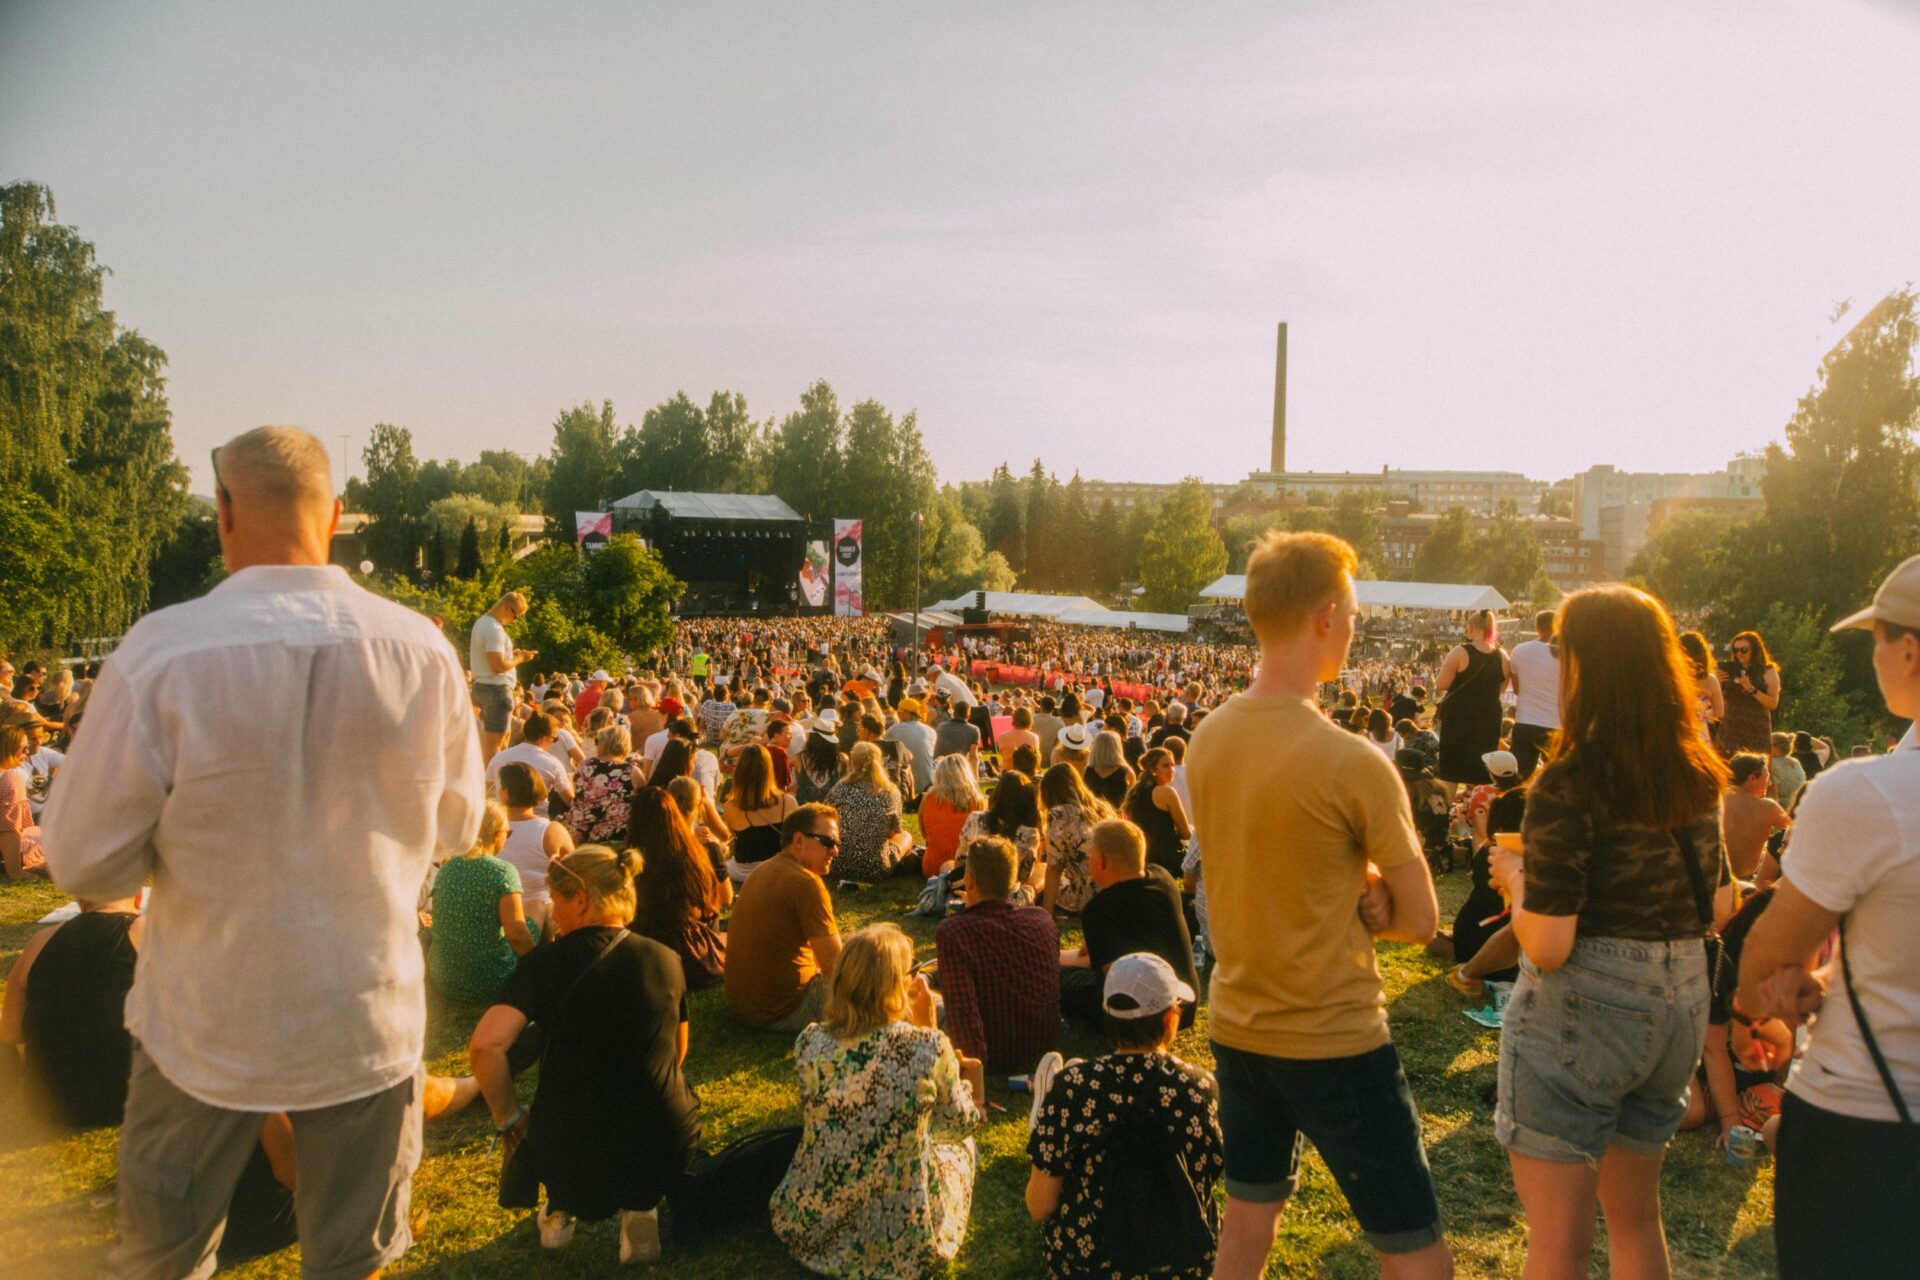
1311 855
494 659
1536 679
287 834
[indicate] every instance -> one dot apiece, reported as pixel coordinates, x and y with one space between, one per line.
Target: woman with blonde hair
944 810
883 1181
1623 873
613 1123
709 830
755 808
1072 811
1109 776
603 786
1709 699
873 837
1469 688
479 923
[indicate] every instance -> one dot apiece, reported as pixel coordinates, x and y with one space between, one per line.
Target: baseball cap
671 707
1501 764
1897 601
15 714
911 707
918 688
1074 737
1141 984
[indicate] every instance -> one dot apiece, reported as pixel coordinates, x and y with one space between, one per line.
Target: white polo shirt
1539 673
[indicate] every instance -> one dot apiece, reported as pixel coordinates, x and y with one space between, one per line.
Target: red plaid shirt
1000 978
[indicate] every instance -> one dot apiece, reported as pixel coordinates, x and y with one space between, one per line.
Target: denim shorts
1359 1114
1599 1052
496 706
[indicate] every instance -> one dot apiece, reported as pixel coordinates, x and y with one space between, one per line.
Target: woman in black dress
1470 683
613 1123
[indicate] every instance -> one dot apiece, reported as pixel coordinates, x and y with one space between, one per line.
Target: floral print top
1070 1140
883 1181
1069 841
602 794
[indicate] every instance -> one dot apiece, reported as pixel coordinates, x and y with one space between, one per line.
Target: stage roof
711 506
1024 604
1444 597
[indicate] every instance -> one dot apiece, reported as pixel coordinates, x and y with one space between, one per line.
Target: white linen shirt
284 757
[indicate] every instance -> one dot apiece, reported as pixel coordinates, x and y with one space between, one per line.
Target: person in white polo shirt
1848 1180
1536 680
493 659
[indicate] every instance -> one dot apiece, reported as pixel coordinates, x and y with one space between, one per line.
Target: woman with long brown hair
679 897
1013 813
1751 684
755 808
1623 873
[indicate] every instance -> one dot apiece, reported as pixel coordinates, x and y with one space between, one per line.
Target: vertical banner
846 568
815 574
587 524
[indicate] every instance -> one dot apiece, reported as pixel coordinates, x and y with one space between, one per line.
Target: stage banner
846 569
588 523
815 575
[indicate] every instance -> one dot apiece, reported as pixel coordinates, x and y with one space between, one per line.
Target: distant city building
1481 492
1568 560
1616 507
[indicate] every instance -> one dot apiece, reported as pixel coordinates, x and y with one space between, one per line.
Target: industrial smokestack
1280 401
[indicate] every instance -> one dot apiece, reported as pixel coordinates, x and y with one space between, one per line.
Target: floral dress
602 796
883 1181
1069 840
1026 844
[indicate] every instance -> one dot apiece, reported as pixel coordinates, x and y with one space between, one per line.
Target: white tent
1431 597
1021 604
1177 622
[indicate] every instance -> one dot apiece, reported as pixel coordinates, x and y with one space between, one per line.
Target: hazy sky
1516 236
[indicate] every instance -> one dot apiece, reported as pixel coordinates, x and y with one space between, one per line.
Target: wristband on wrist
519 1114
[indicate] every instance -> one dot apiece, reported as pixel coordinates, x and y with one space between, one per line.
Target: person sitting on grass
874 840
1138 908
1072 811
882 1184
954 797
479 922
613 1123
532 751
997 966
20 852
680 898
533 839
781 939
1745 1061
1126 1149
1012 813
1482 942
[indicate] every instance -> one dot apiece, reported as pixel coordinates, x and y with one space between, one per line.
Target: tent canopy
1441 597
1177 622
1023 604
710 506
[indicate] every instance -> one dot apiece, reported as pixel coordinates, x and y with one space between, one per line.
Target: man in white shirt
1536 680
492 659
43 762
913 733
946 682
1848 1148
287 833
535 750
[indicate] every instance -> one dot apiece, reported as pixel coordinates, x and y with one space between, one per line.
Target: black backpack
730 1188
1155 1219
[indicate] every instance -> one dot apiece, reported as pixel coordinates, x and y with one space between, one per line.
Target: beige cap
1897 601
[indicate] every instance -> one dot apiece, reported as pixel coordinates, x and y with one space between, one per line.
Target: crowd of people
1665 885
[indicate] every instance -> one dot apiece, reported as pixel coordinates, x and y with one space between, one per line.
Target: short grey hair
280 464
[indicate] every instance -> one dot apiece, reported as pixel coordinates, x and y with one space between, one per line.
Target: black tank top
756 843
77 1044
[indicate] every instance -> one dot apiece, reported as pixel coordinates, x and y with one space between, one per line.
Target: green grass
59 1198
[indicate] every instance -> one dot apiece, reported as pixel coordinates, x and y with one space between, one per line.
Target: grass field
59 1188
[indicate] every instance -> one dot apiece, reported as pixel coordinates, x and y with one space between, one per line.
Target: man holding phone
493 659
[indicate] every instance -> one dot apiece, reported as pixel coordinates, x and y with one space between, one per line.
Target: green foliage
1350 516
392 499
84 429
1180 552
681 447
1240 533
188 565
629 595
1448 553
1006 526
1812 675
885 477
803 457
37 571
584 467
472 526
1507 557
1688 561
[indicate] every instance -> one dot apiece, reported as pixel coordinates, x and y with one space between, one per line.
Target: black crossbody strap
619 937
1866 1032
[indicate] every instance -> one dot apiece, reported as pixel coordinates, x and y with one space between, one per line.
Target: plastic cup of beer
1508 840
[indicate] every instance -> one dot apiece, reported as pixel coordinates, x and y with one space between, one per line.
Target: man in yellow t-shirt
1301 821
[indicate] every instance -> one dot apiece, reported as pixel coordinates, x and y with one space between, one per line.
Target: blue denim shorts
1599 1052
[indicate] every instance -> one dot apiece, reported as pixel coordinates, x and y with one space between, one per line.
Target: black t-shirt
614 1122
1483 901
1142 1105
1140 915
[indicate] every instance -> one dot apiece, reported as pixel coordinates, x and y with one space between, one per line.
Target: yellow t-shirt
1290 808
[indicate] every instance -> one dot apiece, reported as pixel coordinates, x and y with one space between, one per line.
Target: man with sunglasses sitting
782 940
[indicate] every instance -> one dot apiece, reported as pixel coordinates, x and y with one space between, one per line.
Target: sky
1504 236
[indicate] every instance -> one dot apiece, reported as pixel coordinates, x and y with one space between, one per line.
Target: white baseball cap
1501 764
1141 984
1897 601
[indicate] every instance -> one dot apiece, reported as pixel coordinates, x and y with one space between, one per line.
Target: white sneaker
1040 1081
639 1235
556 1228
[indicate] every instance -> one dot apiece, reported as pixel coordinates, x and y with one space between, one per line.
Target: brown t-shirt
1622 880
769 963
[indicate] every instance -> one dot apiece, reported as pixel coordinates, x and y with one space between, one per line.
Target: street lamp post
918 519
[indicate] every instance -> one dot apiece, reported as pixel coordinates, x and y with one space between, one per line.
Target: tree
583 466
84 427
629 595
452 516
468 565
1350 516
1841 508
1006 526
1812 667
1448 554
1181 553
995 573
1507 556
1043 549
188 565
1686 560
36 567
885 477
803 457
391 499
